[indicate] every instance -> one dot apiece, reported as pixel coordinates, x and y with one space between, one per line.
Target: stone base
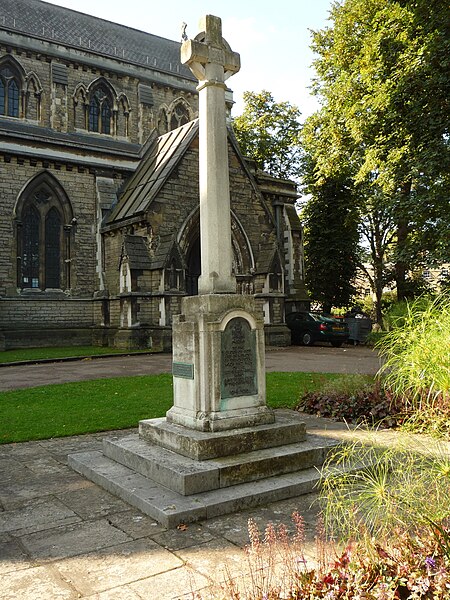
200 445
238 469
218 355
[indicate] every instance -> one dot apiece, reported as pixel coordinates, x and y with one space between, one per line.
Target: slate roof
266 256
136 249
159 161
166 243
293 218
82 141
71 28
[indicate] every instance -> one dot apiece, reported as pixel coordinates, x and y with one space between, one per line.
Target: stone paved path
61 536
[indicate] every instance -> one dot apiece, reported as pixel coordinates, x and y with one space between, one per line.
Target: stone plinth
238 469
218 358
201 445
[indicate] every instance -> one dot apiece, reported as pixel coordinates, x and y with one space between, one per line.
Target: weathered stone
288 428
71 540
37 582
117 565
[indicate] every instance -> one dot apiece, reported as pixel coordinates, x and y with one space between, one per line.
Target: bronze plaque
183 370
238 360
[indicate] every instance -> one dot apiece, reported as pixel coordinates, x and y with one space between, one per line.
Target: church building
99 189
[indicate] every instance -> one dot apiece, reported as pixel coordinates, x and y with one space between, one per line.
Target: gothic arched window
179 116
43 240
100 111
9 92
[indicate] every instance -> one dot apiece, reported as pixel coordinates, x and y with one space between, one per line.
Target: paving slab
13 556
71 540
37 515
179 584
117 565
92 502
213 558
120 593
135 524
35 566
36 583
22 488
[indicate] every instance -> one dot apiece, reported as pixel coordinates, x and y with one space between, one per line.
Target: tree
269 133
383 80
331 242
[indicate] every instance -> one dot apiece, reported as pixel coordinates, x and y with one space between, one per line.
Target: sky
273 39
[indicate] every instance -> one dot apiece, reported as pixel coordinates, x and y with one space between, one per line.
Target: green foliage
383 78
268 132
331 242
416 351
404 485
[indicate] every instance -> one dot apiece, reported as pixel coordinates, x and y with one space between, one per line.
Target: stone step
201 445
187 476
170 508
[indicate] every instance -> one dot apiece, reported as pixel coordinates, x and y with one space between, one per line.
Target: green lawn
105 404
8 356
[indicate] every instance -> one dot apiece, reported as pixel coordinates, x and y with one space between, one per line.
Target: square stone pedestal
218 364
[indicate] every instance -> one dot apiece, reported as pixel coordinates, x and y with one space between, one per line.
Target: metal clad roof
62 25
153 172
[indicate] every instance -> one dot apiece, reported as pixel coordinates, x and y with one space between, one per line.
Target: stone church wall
79 185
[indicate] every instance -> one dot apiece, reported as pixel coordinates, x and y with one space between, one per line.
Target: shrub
416 370
350 398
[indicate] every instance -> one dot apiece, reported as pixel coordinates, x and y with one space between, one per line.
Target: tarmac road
317 359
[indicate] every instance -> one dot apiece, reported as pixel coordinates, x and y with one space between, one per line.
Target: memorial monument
220 448
218 340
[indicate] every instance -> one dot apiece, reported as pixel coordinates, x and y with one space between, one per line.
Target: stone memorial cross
212 61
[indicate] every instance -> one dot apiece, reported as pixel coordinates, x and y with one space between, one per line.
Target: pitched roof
266 257
293 218
60 25
159 161
136 249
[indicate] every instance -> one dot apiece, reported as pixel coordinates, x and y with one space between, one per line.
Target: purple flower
430 562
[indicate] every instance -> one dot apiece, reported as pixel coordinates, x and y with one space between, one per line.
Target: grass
105 404
9 356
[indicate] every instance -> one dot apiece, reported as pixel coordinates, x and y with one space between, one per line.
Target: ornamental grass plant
416 369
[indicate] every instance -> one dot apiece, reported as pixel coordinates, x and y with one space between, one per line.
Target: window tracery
44 231
10 87
179 115
100 111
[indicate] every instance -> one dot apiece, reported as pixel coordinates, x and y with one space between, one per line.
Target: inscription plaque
183 370
238 359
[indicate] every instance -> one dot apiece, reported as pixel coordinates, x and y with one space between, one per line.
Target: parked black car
309 327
